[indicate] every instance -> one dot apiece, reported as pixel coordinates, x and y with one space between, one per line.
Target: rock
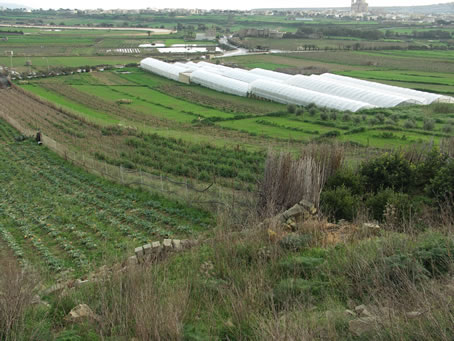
371 226
139 252
176 244
294 211
80 313
156 247
146 249
167 244
360 308
36 300
362 325
132 261
365 313
349 313
413 314
79 282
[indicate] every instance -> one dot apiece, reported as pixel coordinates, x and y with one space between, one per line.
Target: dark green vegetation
58 217
395 188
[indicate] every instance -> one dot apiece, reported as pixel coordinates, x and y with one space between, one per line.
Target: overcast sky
229 4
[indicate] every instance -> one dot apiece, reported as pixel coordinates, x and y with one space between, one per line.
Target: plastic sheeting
245 76
163 69
420 96
374 97
219 83
288 94
271 74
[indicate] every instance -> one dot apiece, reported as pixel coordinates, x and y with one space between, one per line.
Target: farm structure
326 90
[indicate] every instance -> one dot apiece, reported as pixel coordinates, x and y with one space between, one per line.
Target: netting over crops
327 90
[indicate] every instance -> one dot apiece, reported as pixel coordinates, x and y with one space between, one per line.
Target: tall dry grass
288 180
17 289
143 304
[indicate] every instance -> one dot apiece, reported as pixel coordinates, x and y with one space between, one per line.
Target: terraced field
57 217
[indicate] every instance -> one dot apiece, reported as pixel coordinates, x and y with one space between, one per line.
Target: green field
95 221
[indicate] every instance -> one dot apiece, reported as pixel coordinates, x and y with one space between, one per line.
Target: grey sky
205 4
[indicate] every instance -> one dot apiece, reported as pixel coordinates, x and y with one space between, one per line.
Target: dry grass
287 181
17 288
136 303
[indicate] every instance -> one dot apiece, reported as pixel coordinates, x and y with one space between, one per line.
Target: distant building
359 7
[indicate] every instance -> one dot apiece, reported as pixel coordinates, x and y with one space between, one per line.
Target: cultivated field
57 217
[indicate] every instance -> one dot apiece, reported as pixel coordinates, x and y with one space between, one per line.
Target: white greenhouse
327 90
220 83
289 94
163 69
245 76
423 97
271 74
374 97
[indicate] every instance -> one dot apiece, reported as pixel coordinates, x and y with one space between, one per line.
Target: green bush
442 185
387 171
376 203
339 203
435 252
429 124
346 177
291 108
296 242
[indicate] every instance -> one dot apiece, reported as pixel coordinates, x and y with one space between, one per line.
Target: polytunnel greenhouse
289 94
163 69
374 97
245 76
327 90
420 96
219 83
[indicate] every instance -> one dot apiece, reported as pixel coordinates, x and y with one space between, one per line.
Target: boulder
80 313
156 247
413 314
294 211
176 244
132 261
146 249
139 252
167 244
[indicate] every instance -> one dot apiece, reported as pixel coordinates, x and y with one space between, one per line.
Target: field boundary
212 195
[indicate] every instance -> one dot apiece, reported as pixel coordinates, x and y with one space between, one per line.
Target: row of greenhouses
326 90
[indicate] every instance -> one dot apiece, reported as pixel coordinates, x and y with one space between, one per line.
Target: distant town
359 10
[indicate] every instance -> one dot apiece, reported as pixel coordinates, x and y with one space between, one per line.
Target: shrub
435 252
333 116
395 118
357 120
339 203
296 242
447 129
300 111
291 108
410 124
346 117
324 116
442 185
387 171
429 124
346 177
376 203
312 111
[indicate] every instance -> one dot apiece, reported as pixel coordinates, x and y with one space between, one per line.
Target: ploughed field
56 216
